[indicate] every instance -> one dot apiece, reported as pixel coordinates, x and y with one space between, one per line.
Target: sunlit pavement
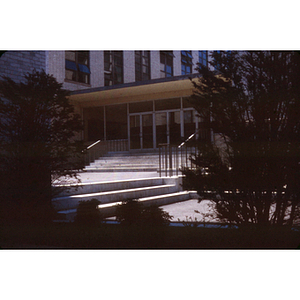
185 211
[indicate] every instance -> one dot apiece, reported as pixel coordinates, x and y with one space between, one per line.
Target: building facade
138 99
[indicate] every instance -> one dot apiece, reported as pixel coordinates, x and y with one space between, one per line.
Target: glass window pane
83 57
70 55
145 69
169 60
188 116
160 119
70 75
145 61
169 69
116 122
186 103
137 54
84 68
147 120
71 65
162 57
136 107
167 104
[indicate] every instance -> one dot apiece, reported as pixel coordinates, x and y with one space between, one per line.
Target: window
166 64
142 65
203 58
77 66
113 67
186 62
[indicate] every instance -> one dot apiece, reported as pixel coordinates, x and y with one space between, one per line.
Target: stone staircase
126 162
151 191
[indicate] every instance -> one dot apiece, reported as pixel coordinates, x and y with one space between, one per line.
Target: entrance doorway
168 127
141 131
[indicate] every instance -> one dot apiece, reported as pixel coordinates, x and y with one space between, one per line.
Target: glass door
161 128
135 131
141 131
174 128
189 123
147 131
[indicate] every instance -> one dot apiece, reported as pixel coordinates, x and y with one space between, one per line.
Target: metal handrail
100 148
92 145
189 138
176 156
89 154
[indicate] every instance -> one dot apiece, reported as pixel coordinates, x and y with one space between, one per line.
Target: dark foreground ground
104 236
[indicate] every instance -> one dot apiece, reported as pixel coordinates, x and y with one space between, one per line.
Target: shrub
88 213
134 212
129 212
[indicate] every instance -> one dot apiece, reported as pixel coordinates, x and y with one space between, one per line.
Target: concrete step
125 163
121 169
121 164
72 201
105 186
121 161
109 209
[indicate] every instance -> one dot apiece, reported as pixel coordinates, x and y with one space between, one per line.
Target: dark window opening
77 66
167 104
142 65
137 107
93 123
166 64
116 122
203 58
113 67
186 62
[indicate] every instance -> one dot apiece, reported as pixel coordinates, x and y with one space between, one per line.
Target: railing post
176 153
166 161
159 157
170 161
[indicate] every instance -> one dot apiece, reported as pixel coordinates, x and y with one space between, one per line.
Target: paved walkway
186 211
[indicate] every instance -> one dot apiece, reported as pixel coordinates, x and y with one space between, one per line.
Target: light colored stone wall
56 64
195 54
97 68
177 63
155 64
129 66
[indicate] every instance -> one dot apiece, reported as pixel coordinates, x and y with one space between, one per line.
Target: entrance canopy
141 114
177 86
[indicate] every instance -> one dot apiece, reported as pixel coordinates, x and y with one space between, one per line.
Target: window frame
164 57
186 62
203 60
80 66
116 61
139 58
